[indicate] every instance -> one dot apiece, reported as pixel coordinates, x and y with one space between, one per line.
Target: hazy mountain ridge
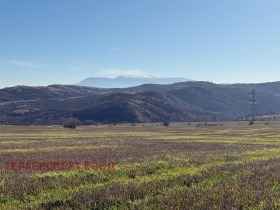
126 81
49 92
185 101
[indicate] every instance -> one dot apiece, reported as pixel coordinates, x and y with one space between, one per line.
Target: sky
65 41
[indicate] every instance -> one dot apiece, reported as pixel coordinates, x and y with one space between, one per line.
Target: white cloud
112 73
23 63
76 68
82 63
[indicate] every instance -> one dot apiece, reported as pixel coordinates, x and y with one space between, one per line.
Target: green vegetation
180 166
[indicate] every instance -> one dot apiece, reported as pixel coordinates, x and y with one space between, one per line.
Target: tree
71 123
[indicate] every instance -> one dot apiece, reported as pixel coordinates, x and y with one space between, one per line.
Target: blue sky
65 41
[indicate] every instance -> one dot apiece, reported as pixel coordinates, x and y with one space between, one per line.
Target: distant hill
272 116
21 93
180 102
124 81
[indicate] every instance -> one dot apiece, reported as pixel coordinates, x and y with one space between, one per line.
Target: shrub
251 122
71 123
166 124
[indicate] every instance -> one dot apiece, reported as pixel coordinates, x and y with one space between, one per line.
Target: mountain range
128 81
178 102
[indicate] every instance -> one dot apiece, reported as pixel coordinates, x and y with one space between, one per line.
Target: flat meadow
181 166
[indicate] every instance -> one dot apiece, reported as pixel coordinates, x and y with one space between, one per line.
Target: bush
71 123
251 122
166 124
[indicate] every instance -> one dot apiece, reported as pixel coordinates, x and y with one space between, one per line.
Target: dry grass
233 166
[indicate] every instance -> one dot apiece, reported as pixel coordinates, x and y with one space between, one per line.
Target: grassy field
182 166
